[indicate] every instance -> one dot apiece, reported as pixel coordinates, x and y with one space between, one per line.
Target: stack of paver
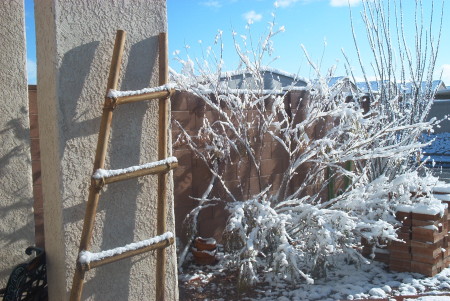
400 252
428 249
425 247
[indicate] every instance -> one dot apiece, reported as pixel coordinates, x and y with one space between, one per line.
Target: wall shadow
20 204
15 127
76 61
124 151
118 201
14 158
75 67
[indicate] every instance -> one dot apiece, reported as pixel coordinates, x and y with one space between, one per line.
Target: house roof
273 79
279 80
436 85
375 86
337 79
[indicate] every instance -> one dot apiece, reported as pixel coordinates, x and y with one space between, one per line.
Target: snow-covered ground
431 298
344 282
370 281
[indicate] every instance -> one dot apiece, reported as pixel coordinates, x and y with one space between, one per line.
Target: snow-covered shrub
253 231
368 155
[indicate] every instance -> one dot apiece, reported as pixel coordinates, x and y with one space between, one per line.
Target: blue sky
312 23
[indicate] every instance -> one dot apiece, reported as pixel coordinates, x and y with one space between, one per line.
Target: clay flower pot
204 257
208 244
204 250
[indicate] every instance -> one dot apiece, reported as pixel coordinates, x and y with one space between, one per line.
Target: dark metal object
28 281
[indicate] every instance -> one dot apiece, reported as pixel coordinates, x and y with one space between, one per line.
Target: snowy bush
365 161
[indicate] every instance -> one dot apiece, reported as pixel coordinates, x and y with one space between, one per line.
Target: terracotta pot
204 256
208 244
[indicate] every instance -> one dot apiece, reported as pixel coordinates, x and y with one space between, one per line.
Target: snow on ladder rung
123 97
89 260
106 176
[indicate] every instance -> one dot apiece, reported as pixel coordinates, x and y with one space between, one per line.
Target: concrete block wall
192 176
188 176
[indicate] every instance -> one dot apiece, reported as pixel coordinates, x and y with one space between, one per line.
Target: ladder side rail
162 178
100 154
105 129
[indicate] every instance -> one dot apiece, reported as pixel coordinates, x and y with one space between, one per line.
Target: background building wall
16 200
74 47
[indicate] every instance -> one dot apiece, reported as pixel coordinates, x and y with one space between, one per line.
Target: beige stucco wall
16 201
74 46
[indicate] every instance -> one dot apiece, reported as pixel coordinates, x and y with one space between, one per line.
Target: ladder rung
104 176
123 97
89 260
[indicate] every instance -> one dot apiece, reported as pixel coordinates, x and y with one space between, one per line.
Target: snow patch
431 209
377 292
430 298
441 189
442 197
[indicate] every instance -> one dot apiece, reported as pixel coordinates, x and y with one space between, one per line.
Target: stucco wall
74 47
16 202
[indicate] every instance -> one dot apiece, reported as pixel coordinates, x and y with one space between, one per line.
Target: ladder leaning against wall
87 260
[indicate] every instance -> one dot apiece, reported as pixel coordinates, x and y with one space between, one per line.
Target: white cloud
212 4
252 16
445 69
344 2
284 3
31 71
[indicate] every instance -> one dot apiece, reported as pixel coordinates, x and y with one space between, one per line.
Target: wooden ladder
87 260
